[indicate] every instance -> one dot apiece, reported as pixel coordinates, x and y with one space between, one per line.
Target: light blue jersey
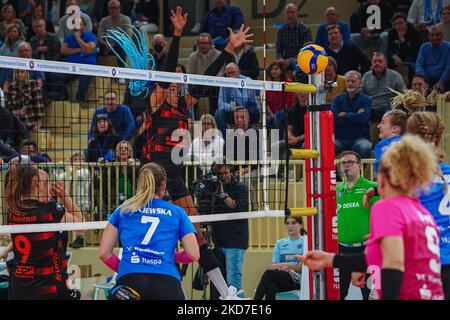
286 249
149 237
438 203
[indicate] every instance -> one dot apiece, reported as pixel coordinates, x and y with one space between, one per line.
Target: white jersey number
444 206
154 224
433 246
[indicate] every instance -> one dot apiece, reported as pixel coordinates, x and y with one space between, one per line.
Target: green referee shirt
353 218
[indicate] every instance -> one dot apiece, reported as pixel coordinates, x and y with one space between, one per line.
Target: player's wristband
112 262
391 283
183 257
355 262
208 260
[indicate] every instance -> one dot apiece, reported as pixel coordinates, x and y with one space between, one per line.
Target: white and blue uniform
149 237
438 203
286 249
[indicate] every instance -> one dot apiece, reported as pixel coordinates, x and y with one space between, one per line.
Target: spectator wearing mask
352 111
347 55
159 44
433 60
332 18
291 37
121 117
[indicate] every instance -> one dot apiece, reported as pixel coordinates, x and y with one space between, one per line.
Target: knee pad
208 260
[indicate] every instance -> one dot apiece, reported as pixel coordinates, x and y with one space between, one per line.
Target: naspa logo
31 64
185 78
113 72
135 259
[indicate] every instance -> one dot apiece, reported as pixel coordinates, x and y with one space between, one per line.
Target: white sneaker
196 28
233 294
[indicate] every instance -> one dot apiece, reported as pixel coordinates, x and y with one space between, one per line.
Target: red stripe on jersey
46 271
47 253
166 114
43 236
47 289
64 263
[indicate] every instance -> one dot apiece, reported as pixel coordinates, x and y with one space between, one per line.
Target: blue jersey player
149 229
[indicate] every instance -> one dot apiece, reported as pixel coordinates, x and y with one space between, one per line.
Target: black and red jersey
161 125
39 266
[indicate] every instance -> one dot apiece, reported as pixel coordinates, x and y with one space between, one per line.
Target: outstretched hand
238 39
316 260
178 21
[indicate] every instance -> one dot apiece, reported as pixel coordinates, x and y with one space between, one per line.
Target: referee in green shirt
353 217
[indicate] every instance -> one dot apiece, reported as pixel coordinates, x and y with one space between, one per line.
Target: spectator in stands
231 98
403 43
12 133
64 30
25 100
79 187
125 161
352 117
46 46
80 47
205 54
274 99
292 36
218 19
247 61
332 75
375 83
104 140
30 148
209 145
296 121
369 36
420 84
331 17
159 44
6 75
230 237
347 55
147 12
120 115
201 7
38 12
115 19
433 60
13 39
424 13
8 17
445 23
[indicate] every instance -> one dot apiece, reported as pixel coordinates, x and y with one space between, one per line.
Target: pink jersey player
404 216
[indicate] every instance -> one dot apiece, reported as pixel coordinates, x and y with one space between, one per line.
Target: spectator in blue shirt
120 115
434 59
352 117
332 17
218 19
231 98
80 47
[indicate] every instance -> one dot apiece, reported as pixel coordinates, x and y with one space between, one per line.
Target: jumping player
38 267
169 114
404 238
149 229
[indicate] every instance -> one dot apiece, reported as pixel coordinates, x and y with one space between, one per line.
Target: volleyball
312 59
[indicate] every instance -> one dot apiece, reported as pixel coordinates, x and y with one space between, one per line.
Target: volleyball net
57 113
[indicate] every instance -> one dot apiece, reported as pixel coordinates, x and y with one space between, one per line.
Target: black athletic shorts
146 286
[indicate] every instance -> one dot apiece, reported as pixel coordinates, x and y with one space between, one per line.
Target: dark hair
351 152
183 68
29 142
299 221
333 62
399 15
205 34
423 77
219 163
110 130
334 26
279 64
